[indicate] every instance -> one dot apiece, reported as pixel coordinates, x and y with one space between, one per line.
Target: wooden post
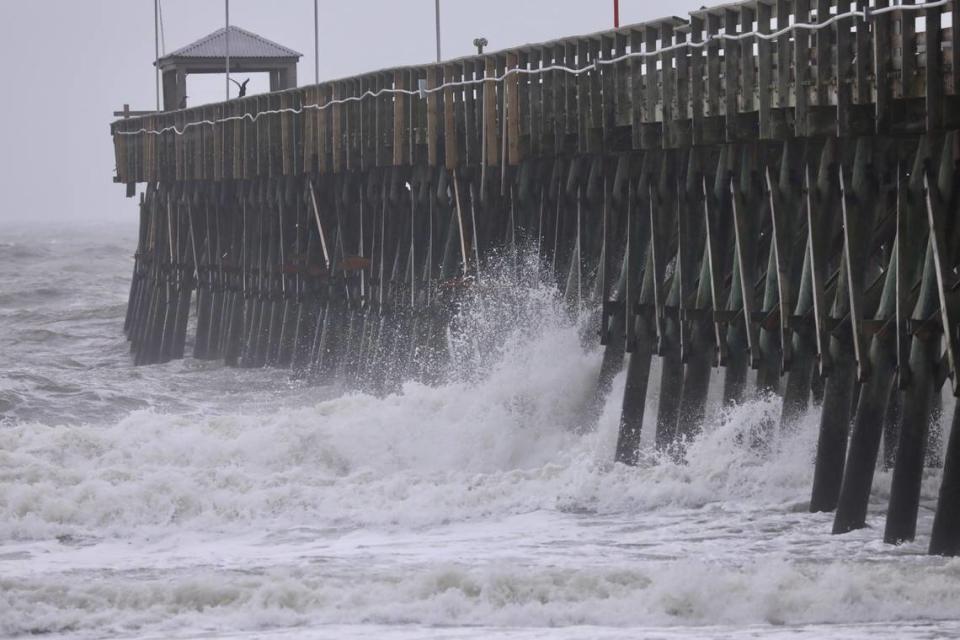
637 110
801 66
451 152
883 67
490 129
765 73
433 118
934 71
842 61
731 75
668 84
401 130
908 50
513 114
697 79
824 41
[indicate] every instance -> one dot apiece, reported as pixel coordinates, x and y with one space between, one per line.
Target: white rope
867 14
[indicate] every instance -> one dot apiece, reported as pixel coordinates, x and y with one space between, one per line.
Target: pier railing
745 71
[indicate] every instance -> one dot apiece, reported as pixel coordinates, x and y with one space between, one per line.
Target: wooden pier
768 185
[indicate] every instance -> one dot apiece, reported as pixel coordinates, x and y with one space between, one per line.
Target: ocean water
188 500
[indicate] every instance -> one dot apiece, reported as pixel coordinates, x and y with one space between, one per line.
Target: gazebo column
288 77
174 88
284 77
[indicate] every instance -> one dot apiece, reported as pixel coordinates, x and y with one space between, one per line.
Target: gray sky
71 63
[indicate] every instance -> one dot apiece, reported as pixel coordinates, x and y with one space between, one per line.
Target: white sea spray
192 500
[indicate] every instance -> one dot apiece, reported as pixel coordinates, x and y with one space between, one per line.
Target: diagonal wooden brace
854 281
902 311
712 256
682 273
935 217
783 283
657 257
816 270
746 284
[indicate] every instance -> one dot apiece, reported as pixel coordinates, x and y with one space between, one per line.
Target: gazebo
249 53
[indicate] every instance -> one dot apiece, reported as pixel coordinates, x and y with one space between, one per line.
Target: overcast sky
71 63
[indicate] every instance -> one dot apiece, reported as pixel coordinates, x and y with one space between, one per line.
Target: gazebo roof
243 44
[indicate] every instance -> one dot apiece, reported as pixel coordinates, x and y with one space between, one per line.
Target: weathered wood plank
336 128
649 137
883 67
324 127
354 125
934 70
523 89
415 108
418 133
955 47
369 111
651 77
824 40
559 90
512 109
843 61
450 148
571 95
864 54
401 131
179 147
433 118
309 130
621 81
908 51
472 142
286 134
535 113
764 71
697 79
636 88
784 51
218 140
801 66
668 83
731 80
204 149
298 133
595 118
491 135
713 47
748 63
681 133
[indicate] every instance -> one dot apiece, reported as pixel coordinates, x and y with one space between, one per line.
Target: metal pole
227 33
437 12
316 43
616 14
156 46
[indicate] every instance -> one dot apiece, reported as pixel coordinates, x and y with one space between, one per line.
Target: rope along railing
866 14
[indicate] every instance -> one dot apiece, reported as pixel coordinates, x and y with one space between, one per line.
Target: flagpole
156 46
316 43
437 12
227 33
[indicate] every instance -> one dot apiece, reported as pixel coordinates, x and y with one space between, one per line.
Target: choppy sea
189 500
